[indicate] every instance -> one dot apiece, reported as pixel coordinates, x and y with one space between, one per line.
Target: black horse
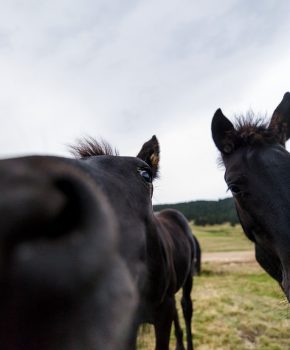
158 247
73 249
178 258
177 327
84 260
258 174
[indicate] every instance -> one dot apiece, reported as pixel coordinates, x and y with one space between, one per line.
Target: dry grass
237 306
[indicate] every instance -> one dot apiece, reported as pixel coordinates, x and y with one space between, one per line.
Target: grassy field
237 306
222 238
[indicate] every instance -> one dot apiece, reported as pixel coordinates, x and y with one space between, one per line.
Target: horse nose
24 209
28 200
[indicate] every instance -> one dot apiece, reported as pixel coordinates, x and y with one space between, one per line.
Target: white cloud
125 70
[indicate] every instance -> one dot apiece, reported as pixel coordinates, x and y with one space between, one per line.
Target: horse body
257 173
170 268
178 241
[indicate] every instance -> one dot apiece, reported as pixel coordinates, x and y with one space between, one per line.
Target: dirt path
241 256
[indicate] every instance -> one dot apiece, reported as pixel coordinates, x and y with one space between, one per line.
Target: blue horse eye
146 175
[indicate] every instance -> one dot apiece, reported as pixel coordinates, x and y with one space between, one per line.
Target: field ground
237 306
222 238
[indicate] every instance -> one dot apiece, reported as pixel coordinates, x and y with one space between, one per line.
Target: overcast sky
125 70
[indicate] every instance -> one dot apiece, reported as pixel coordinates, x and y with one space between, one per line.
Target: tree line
204 212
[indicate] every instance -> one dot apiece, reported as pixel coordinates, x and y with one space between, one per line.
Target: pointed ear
221 128
280 121
150 154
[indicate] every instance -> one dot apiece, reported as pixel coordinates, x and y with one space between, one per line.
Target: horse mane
90 147
251 130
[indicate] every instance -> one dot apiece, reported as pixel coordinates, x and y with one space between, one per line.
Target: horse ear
280 121
221 128
150 154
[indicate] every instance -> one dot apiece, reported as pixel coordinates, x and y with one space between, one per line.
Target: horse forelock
251 130
90 147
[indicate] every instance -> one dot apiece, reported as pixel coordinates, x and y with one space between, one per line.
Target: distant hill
206 212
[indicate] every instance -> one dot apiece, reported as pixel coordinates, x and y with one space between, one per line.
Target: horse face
63 283
127 184
258 180
70 232
257 173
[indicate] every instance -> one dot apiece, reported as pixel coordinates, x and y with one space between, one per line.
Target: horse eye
234 189
146 174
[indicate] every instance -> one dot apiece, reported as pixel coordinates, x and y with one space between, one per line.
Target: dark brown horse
258 174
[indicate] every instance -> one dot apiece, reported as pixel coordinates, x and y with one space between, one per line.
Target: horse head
257 172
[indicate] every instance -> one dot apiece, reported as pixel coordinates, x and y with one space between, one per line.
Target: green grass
237 305
222 238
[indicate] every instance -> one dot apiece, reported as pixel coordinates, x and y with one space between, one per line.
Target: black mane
89 147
